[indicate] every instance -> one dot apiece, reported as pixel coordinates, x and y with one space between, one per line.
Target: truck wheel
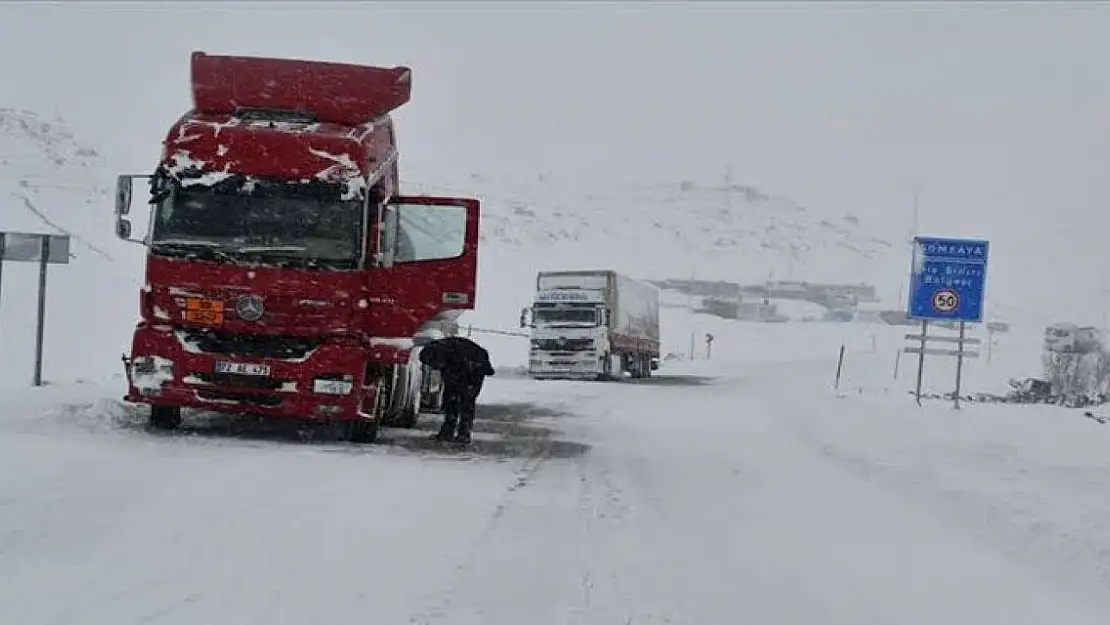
606 368
410 413
362 430
165 417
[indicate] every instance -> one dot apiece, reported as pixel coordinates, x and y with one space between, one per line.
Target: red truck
286 276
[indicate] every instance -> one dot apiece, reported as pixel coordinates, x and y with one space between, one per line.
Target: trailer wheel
362 430
165 417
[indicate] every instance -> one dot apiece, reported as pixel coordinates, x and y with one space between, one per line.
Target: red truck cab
285 274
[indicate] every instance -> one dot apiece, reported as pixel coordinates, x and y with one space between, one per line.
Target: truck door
427 261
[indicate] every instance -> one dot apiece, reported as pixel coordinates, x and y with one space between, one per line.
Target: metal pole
45 255
1 270
839 367
1102 296
897 361
990 344
691 345
921 359
959 366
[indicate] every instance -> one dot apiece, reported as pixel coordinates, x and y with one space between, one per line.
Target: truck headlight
149 373
325 386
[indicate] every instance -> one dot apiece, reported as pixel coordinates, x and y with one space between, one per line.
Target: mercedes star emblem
249 307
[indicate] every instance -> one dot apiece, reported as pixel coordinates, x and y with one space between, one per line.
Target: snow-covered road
676 500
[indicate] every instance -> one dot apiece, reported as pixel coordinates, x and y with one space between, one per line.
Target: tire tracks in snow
600 503
525 475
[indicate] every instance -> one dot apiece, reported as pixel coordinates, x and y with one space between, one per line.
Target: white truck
594 324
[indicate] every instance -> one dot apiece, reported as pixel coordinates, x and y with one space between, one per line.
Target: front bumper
564 365
165 369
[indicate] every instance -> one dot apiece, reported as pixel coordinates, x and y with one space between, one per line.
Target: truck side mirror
123 196
123 228
524 317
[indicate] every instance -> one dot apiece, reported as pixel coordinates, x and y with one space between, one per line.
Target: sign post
44 249
708 345
948 284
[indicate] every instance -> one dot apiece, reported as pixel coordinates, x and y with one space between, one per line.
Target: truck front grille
243 398
252 345
563 345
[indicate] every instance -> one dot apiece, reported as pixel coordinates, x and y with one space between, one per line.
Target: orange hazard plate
208 311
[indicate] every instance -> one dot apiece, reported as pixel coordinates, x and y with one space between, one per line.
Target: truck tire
606 368
410 412
362 430
165 417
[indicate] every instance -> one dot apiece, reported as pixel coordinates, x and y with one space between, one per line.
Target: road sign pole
40 330
959 365
921 359
44 249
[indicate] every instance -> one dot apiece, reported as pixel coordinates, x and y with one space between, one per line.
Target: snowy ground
743 489
740 490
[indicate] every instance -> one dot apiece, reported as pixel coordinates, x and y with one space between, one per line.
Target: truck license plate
242 368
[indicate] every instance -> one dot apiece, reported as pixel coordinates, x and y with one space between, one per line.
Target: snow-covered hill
50 182
653 231
671 229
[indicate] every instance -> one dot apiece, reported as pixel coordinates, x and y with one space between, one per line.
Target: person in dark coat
463 365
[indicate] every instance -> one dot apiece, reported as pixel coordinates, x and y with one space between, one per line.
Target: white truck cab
592 324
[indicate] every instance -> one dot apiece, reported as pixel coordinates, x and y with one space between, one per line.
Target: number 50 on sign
946 300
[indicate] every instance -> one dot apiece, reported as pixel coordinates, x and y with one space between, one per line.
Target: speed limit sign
946 300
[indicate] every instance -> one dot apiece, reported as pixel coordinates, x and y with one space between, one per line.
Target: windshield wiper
293 254
189 244
254 249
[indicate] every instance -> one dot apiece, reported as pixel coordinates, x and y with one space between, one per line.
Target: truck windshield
544 316
268 229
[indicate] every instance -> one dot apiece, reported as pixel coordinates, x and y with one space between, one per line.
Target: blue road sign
948 279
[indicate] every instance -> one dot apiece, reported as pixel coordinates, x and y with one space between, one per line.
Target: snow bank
1032 480
869 365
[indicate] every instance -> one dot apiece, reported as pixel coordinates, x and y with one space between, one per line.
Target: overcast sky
999 112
